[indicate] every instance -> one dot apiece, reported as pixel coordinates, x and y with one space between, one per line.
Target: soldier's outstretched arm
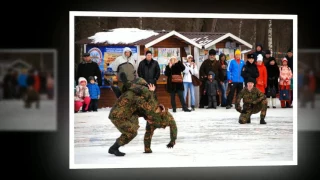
173 132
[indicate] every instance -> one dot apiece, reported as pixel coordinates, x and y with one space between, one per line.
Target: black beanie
268 52
148 52
212 52
250 79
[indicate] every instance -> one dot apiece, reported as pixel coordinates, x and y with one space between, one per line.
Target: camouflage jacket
138 98
167 120
255 95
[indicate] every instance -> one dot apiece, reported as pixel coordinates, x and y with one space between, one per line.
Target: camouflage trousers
32 96
254 109
128 127
148 137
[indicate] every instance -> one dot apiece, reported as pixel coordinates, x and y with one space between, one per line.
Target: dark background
45 24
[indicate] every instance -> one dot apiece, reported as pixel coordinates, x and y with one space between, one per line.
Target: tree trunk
214 23
270 35
240 26
140 22
254 34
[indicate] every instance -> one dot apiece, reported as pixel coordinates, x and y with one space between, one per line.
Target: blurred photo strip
308 89
28 91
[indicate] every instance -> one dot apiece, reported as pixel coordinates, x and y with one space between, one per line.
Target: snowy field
205 137
308 118
14 117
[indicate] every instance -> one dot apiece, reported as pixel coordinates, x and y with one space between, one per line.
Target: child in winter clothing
285 77
82 97
263 76
211 90
273 76
94 92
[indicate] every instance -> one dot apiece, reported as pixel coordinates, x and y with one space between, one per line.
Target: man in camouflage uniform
138 100
254 101
167 120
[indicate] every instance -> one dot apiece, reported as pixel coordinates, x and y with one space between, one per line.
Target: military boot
114 149
249 120
262 121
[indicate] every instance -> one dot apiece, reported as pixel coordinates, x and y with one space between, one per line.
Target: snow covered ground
14 117
308 118
205 137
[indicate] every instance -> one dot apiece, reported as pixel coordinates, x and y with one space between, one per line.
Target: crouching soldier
254 101
32 97
166 120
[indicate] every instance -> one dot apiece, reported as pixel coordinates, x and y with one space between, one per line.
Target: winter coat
211 87
285 75
94 90
37 83
175 69
186 72
22 80
81 91
50 82
224 67
250 70
210 65
234 71
256 53
89 69
125 64
150 71
30 80
273 75
262 78
290 62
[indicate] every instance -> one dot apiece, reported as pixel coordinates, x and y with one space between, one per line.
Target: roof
198 39
172 33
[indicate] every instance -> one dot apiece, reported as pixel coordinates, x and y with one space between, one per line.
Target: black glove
171 144
238 108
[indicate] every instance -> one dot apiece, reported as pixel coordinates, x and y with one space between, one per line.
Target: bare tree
270 35
140 22
240 27
254 33
214 23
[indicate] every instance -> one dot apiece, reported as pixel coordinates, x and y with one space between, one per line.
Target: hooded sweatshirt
125 64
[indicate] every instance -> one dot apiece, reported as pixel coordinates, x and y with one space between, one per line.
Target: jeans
224 88
188 85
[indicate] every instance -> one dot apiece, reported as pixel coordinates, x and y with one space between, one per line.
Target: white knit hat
189 56
260 57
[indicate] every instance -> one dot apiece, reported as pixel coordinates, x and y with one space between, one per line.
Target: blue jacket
94 90
22 80
234 71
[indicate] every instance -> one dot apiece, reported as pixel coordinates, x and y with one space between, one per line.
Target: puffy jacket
234 71
94 90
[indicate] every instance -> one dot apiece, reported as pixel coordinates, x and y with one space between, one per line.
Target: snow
206 137
14 117
122 35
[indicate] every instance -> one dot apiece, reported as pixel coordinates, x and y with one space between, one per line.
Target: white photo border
73 14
